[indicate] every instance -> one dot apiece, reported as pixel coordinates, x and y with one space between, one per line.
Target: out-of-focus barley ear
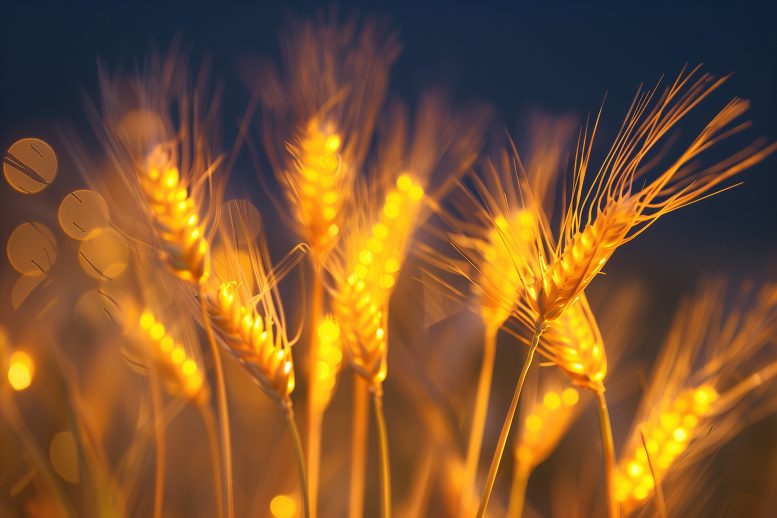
322 103
175 217
182 374
705 388
545 418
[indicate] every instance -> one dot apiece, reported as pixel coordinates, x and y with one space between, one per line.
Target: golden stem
213 446
608 454
385 468
303 477
521 474
159 432
358 447
315 416
500 447
223 409
478 420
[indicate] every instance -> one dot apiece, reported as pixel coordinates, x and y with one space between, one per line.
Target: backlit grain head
706 387
322 104
415 165
245 307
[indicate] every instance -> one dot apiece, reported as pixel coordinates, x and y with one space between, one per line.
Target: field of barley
411 261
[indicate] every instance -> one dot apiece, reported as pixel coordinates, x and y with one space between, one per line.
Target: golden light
21 370
283 506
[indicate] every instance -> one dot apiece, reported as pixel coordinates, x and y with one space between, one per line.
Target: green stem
608 454
303 477
385 468
475 444
500 447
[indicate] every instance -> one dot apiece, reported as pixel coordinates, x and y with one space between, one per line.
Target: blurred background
520 59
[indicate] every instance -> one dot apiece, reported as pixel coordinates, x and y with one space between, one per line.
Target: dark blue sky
561 59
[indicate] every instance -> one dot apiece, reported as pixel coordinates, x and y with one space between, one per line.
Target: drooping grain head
179 370
175 217
254 339
544 422
575 344
366 279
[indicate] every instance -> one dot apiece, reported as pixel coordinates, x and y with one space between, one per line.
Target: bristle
176 221
254 340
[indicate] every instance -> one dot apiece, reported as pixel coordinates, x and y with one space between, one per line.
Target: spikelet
691 408
252 326
609 211
322 105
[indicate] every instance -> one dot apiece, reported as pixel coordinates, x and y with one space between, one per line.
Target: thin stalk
303 477
608 454
358 447
385 468
500 447
475 443
521 474
221 403
213 445
315 416
159 433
